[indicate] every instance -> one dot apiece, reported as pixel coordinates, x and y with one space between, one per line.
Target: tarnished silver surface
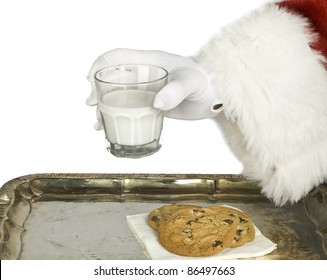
83 216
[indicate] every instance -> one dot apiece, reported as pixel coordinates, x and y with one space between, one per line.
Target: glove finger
92 98
170 96
99 124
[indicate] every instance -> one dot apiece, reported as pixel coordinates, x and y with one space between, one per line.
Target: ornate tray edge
219 188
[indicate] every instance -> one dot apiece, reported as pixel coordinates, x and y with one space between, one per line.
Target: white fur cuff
274 88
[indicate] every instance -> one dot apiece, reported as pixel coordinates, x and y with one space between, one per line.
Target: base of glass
134 151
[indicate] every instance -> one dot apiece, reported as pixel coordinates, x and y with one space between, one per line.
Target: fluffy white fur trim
274 90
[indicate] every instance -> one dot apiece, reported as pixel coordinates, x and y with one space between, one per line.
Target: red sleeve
316 12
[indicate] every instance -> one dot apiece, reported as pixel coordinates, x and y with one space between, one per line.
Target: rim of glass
164 76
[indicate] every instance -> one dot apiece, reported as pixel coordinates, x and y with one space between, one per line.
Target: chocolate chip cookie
197 231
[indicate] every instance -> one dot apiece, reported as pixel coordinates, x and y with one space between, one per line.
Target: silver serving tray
83 216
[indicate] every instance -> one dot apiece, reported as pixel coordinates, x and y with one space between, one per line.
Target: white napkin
147 236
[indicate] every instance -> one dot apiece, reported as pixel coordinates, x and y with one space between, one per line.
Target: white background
47 49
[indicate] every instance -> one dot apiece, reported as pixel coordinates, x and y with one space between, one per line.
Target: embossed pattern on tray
64 210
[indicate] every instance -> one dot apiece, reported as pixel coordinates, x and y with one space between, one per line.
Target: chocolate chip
195 211
230 222
155 219
242 220
188 233
190 222
239 231
217 243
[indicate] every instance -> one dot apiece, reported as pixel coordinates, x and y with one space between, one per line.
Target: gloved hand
188 95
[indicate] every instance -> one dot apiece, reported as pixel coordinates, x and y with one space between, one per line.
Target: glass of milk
125 96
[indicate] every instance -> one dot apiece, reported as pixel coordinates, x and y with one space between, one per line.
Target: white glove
188 95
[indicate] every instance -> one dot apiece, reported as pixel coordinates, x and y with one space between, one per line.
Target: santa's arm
269 68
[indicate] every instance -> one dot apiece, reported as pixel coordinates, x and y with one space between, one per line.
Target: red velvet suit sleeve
316 13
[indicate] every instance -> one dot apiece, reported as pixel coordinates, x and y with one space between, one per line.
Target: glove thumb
184 83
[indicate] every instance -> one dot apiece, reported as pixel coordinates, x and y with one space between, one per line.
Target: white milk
129 117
